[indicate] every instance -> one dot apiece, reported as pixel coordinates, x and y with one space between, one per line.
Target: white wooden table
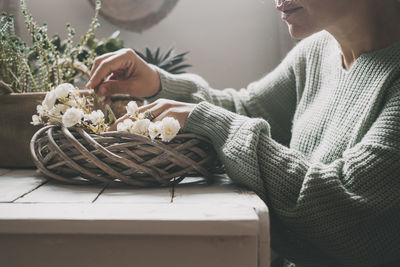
45 223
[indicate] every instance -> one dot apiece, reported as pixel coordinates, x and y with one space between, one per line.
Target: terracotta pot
16 112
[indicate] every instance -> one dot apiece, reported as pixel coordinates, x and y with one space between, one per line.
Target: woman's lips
287 12
291 10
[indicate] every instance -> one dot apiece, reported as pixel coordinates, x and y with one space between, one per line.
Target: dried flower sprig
166 129
66 105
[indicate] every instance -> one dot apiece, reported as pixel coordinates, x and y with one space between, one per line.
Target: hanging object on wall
135 15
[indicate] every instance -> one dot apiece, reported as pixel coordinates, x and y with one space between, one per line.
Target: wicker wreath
77 157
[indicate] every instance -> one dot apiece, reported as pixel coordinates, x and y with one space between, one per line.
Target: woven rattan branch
77 157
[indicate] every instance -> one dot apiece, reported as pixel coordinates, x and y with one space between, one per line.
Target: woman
318 139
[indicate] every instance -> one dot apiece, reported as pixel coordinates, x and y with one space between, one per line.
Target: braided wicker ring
74 156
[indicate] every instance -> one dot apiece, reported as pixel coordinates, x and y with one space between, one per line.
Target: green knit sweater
319 144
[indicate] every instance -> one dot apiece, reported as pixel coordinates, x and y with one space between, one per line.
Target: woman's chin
298 32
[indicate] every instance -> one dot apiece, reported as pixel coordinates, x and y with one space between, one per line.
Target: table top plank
262 212
220 191
16 183
143 219
4 171
56 192
30 204
125 194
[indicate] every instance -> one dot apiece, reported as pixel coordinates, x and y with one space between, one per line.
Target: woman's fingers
157 107
113 127
169 108
110 87
142 109
133 74
120 61
162 115
100 59
160 109
106 67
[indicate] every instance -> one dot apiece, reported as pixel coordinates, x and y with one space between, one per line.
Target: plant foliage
50 61
168 61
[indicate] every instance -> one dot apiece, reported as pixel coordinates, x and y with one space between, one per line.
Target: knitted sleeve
273 97
347 211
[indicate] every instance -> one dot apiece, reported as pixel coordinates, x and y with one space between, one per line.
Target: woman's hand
123 72
163 108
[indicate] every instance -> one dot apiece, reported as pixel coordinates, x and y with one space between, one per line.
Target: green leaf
179 68
149 56
140 54
165 65
110 116
56 41
157 54
167 54
114 35
183 54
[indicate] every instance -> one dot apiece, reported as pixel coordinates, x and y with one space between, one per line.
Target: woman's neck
372 27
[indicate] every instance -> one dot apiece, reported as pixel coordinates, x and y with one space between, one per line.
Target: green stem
28 69
45 66
93 25
6 86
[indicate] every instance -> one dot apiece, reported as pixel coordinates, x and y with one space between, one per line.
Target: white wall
232 42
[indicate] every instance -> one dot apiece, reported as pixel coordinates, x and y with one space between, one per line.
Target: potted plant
28 71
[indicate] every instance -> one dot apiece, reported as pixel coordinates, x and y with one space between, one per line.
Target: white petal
49 100
72 117
132 108
170 128
141 127
63 90
36 120
155 129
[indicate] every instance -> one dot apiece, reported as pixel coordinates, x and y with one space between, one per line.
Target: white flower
62 108
63 90
40 110
155 129
76 100
132 108
141 127
125 125
72 103
121 127
49 100
81 101
95 117
72 116
75 93
58 110
36 120
169 128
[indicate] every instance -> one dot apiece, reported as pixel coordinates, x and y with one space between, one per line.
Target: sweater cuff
173 86
215 123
